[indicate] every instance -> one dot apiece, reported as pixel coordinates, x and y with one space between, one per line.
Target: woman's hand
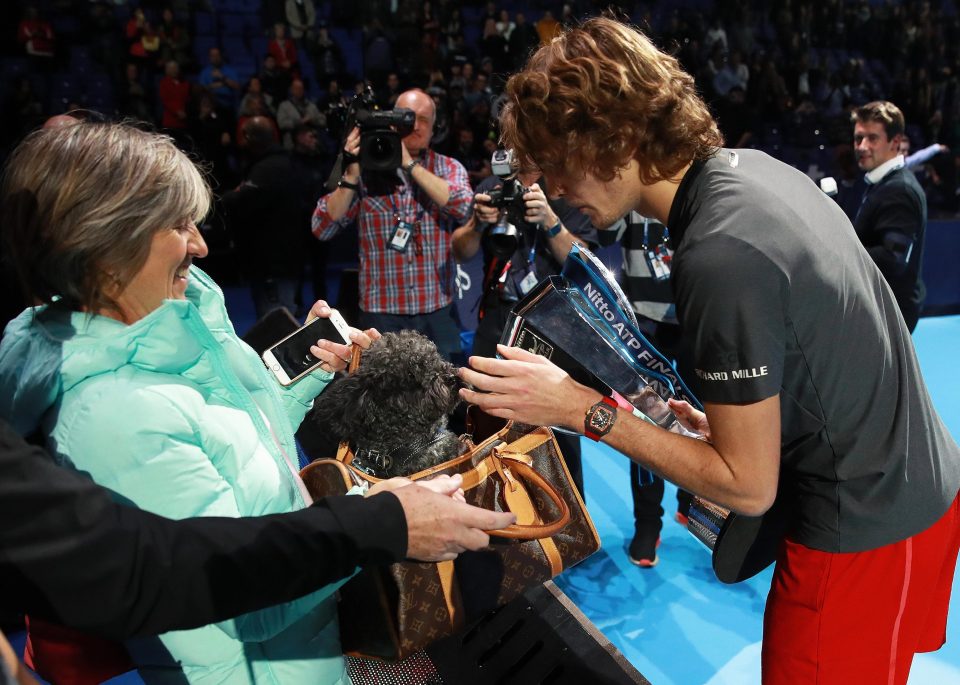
335 356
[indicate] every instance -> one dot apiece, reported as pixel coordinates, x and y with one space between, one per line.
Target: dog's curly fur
398 398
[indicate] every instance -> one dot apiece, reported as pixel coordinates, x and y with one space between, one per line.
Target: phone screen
293 354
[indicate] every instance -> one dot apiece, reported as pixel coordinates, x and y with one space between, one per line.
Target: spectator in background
915 159
283 50
174 40
547 27
274 81
504 26
296 111
326 55
493 46
174 93
221 79
453 26
35 34
133 98
387 97
263 213
733 74
715 35
523 39
301 17
255 88
892 219
256 107
313 169
210 131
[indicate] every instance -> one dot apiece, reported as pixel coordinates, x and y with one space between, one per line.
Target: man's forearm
561 243
339 201
465 241
70 554
436 188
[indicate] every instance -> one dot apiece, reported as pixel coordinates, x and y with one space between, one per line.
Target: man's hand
439 528
526 387
351 174
538 210
483 210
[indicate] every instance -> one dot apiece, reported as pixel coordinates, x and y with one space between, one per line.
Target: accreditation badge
659 260
402 233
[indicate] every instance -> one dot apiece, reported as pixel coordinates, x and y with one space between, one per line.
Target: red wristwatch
600 418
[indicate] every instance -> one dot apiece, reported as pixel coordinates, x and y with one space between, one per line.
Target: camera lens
502 239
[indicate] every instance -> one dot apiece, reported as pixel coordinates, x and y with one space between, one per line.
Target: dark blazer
891 224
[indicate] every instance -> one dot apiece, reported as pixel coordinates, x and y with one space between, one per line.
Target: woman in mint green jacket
133 372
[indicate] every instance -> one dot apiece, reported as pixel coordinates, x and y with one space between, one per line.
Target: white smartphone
290 359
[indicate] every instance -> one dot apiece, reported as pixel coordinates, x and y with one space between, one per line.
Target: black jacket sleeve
71 554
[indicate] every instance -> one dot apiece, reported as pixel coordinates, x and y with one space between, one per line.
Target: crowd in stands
781 76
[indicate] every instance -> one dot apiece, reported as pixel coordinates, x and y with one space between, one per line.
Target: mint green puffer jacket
177 415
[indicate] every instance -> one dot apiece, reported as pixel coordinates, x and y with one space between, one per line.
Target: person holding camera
405 217
525 237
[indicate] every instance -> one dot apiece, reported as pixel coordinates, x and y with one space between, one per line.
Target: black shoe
643 549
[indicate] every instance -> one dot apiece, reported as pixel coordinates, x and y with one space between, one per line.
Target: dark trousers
439 326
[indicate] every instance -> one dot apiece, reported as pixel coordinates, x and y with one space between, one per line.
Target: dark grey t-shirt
776 295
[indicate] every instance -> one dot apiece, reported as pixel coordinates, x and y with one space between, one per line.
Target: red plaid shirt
420 279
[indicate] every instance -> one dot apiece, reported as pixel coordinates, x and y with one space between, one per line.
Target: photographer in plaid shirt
405 223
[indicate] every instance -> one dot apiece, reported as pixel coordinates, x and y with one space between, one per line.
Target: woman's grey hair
80 204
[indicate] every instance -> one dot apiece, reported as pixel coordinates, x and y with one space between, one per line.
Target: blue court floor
675 622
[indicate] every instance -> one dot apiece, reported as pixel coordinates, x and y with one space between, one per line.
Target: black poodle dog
393 409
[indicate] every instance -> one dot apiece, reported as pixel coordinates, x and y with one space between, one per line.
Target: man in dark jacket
71 554
892 219
264 214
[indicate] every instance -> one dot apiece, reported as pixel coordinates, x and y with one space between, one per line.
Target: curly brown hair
597 96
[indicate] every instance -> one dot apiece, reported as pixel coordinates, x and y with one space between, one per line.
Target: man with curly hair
810 381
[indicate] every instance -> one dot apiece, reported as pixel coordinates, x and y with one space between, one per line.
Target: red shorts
859 617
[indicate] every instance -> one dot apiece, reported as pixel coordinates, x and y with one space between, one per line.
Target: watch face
601 418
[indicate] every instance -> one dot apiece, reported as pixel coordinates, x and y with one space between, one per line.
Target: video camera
502 238
380 132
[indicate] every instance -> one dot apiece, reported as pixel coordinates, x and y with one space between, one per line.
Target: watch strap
554 230
408 167
346 184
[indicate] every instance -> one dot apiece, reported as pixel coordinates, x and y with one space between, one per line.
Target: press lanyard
646 234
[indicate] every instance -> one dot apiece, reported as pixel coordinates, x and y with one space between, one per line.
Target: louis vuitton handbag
393 611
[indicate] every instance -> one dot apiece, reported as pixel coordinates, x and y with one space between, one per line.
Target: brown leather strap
445 570
344 455
553 555
322 463
527 443
535 531
520 503
355 355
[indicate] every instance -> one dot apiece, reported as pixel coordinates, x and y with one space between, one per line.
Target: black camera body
380 134
503 238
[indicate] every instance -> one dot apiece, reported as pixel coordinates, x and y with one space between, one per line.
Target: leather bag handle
534 531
